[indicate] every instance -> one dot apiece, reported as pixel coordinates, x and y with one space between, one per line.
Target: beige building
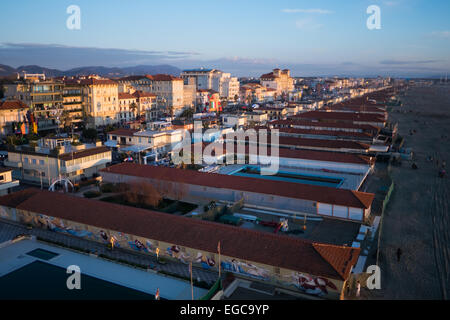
135 83
101 101
213 79
148 140
255 118
171 90
280 80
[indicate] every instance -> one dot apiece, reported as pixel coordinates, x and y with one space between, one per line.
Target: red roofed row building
278 195
313 268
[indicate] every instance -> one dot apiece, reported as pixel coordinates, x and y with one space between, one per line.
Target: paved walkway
9 230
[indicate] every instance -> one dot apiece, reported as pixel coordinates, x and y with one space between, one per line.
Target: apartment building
171 90
135 83
189 93
279 80
254 92
73 102
44 97
101 101
213 79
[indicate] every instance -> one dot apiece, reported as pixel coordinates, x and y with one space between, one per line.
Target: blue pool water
254 172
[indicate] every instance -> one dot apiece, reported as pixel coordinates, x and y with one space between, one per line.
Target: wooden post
218 249
192 286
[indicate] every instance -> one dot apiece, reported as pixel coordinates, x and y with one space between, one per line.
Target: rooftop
12 105
285 252
350 198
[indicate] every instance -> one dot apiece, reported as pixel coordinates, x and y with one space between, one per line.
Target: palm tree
133 108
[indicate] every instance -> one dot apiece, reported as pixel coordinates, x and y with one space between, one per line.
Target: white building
212 79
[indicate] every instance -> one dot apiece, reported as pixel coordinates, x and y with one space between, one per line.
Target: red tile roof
165 77
343 116
275 250
308 154
328 133
12 105
268 76
306 123
143 94
93 81
124 132
285 141
354 199
83 153
125 95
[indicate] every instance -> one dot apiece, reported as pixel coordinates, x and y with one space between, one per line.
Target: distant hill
6 70
102 71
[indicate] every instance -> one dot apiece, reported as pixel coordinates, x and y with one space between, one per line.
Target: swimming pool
255 172
40 280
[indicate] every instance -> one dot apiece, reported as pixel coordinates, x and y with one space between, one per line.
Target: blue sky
242 37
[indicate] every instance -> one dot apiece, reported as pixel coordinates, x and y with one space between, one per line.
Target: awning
111 143
136 148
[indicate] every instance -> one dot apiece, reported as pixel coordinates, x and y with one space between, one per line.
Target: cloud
318 11
391 3
441 34
406 62
307 24
65 57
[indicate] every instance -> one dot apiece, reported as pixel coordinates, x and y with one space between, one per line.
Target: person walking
399 253
358 289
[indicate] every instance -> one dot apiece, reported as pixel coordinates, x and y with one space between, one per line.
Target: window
41 162
25 160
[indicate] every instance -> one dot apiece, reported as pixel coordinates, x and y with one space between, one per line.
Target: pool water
255 172
42 254
43 281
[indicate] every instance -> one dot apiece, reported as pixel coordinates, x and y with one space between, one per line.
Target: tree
187 113
142 193
133 108
90 134
66 119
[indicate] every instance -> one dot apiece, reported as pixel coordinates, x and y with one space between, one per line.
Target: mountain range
6 71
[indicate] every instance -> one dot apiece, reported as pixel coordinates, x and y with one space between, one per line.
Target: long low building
309 144
325 126
294 158
364 137
309 267
277 195
346 117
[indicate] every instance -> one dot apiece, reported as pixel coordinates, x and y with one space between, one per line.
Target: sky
244 37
